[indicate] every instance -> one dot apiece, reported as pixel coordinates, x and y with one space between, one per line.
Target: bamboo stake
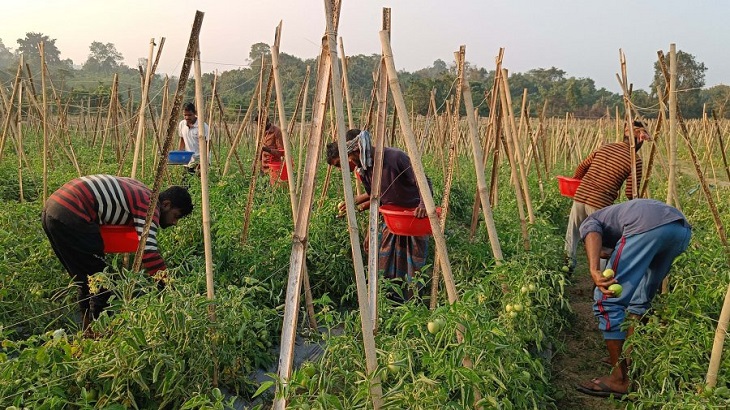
142 109
171 129
303 92
459 58
507 143
629 124
261 126
672 182
308 299
204 201
722 144
8 114
482 189
299 238
380 85
41 48
423 186
242 126
19 144
371 360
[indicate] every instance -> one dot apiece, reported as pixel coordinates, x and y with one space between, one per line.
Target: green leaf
264 386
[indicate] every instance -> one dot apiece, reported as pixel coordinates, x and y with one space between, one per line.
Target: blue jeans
640 262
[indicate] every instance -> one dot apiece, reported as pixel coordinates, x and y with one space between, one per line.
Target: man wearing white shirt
188 131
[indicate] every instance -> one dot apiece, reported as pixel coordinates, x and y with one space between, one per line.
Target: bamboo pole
19 144
297 259
722 144
171 129
41 48
507 143
517 152
423 187
8 114
459 58
482 189
629 124
672 181
261 127
380 85
239 133
302 121
371 360
205 197
308 299
142 109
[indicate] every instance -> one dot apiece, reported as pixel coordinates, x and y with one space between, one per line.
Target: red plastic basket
119 238
278 169
568 186
401 221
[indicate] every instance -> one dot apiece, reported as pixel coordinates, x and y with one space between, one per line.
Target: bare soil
580 360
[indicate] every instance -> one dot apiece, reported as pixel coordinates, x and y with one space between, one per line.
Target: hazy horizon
581 38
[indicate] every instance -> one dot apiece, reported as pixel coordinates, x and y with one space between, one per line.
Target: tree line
548 89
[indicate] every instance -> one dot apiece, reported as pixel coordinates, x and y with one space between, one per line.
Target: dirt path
584 349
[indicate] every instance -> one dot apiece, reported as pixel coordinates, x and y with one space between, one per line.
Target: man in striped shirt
72 216
602 173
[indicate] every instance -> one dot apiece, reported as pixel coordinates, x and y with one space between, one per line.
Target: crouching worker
399 257
646 236
72 217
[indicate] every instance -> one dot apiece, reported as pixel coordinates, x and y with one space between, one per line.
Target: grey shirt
630 218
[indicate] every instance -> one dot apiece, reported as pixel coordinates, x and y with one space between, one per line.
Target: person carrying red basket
602 173
399 257
72 217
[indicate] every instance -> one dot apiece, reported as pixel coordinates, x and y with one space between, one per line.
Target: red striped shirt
112 200
603 172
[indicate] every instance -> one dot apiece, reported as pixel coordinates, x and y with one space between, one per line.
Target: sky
581 37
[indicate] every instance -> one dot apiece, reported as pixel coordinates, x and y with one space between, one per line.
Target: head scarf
362 143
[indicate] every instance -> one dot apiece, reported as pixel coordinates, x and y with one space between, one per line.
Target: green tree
690 80
103 58
717 98
28 48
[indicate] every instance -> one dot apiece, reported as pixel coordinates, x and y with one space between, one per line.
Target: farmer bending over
645 235
602 173
399 257
71 219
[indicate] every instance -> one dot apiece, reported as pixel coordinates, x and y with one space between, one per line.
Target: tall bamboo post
722 144
171 129
672 181
142 109
454 122
19 144
302 121
423 187
297 259
261 130
346 85
8 115
308 299
371 360
380 85
205 195
242 126
41 47
482 189
507 143
517 152
629 124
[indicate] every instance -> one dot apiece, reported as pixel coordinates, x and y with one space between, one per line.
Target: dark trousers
79 247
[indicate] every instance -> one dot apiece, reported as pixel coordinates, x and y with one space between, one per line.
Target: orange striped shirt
603 172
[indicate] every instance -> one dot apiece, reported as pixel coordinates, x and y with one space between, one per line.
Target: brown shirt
603 172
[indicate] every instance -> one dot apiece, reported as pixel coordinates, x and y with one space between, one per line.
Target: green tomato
508 308
565 268
532 287
524 289
616 289
608 273
308 369
517 307
435 325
